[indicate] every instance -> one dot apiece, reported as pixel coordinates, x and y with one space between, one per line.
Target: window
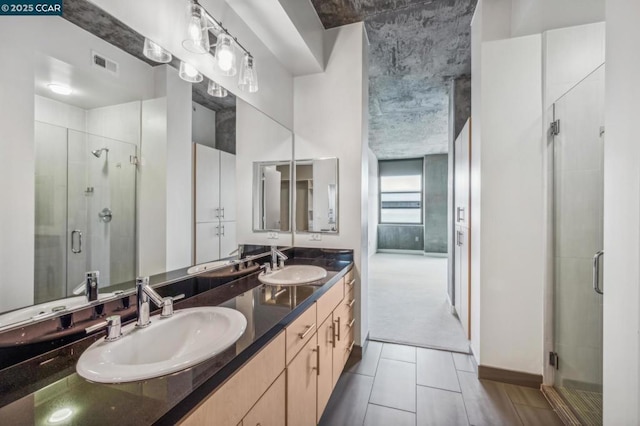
401 191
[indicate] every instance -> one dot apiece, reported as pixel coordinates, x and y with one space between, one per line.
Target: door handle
458 238
73 244
460 214
596 272
222 213
222 230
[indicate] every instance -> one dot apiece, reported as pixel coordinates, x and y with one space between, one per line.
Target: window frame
421 192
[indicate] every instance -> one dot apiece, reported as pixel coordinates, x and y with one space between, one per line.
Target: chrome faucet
277 258
146 293
89 285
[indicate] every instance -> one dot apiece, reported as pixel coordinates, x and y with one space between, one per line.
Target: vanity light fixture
215 90
197 40
199 23
156 53
189 73
248 80
60 89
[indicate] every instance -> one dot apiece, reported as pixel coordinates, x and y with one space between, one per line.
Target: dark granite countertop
167 399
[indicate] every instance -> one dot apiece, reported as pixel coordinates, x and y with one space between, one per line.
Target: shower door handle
596 272
73 241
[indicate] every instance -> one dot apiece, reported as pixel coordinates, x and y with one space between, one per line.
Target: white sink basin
35 312
293 275
166 346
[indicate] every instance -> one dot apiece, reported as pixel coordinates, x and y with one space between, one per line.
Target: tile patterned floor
397 385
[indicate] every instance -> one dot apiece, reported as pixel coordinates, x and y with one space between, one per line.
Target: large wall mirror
132 171
316 195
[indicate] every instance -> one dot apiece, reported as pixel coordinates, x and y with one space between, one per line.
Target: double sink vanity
257 349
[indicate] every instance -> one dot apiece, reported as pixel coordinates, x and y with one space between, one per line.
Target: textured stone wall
435 203
226 130
400 237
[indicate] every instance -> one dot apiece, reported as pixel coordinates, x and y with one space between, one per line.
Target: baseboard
398 251
432 254
508 376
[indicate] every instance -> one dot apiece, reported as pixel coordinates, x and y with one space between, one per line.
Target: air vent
101 61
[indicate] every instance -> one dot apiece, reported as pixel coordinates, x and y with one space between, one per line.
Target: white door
207 184
272 181
228 240
227 186
207 241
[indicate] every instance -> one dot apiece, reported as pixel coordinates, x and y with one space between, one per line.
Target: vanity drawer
300 331
233 400
349 280
328 302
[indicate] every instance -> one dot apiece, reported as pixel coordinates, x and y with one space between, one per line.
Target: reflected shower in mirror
317 195
271 196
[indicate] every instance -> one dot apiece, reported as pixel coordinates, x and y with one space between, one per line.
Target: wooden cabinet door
302 380
325 370
270 409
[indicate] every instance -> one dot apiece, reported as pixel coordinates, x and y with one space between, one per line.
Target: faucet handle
112 324
167 305
280 263
266 267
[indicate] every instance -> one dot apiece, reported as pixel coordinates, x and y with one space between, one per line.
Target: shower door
578 238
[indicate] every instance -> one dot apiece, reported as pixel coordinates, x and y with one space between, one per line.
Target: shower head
98 152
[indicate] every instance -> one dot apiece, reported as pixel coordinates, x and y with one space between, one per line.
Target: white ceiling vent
100 61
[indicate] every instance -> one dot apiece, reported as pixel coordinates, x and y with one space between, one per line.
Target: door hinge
554 129
134 160
554 360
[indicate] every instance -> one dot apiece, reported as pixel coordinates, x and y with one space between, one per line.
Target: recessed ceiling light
60 89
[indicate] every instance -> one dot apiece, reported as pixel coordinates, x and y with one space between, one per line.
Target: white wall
622 216
512 260
330 121
258 138
204 125
373 198
537 16
161 20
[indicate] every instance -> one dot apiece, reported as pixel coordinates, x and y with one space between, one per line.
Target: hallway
408 302
407 386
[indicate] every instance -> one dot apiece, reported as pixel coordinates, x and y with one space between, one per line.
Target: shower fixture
98 152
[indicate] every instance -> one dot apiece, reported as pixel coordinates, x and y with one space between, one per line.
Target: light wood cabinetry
302 379
233 400
325 373
270 410
300 331
329 301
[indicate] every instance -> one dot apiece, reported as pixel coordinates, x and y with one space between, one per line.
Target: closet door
462 176
207 241
228 239
227 186
207 184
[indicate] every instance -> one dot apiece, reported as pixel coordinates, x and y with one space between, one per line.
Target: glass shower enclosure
578 184
85 200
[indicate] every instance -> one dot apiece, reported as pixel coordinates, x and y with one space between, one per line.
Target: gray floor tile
532 416
487 402
369 362
527 396
438 407
398 352
436 369
378 415
349 400
464 362
395 385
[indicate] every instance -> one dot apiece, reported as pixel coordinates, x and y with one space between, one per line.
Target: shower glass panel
85 210
578 237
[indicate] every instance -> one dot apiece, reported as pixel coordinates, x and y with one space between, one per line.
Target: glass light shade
189 73
156 53
197 37
248 80
215 90
226 55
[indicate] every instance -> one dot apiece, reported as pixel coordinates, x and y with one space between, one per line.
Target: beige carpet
408 302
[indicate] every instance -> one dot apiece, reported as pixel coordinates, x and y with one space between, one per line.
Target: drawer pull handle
351 283
309 328
333 335
350 304
351 323
351 346
338 334
317 367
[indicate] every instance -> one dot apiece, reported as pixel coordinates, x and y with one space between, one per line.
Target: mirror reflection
272 190
109 143
317 195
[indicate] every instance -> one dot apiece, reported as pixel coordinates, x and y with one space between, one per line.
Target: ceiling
416 49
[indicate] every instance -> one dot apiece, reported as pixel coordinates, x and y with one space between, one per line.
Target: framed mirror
316 190
272 196
100 150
